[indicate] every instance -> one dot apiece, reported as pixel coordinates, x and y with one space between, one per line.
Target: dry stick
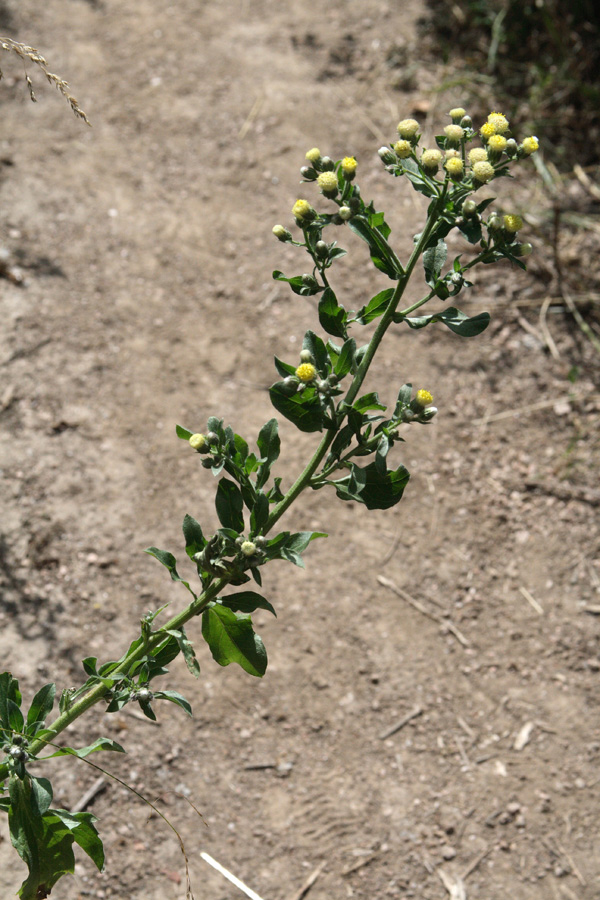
309 882
360 864
545 330
532 601
576 871
562 288
228 875
250 118
455 887
407 718
96 788
422 609
476 862
509 413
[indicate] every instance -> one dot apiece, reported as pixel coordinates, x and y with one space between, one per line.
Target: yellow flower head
424 398
486 131
512 224
498 122
403 149
303 211
313 155
248 548
457 113
328 183
451 153
530 145
306 372
483 172
454 167
478 154
349 166
497 143
430 160
408 129
197 441
454 133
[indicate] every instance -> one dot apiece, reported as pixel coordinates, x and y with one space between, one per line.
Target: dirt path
147 250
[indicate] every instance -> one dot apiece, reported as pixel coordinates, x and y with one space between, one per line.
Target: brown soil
146 247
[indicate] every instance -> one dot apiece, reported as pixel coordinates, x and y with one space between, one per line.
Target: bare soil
146 248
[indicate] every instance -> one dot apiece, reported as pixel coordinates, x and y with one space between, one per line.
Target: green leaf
471 228
41 706
332 316
297 284
9 690
269 445
318 351
230 505
183 433
16 721
46 847
247 602
89 665
169 562
303 409
174 697
284 369
381 254
231 638
41 795
433 261
83 831
194 539
454 319
100 743
295 544
369 486
368 401
346 358
260 513
187 648
375 307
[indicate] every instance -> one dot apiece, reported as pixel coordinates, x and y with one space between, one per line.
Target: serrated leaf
332 316
247 602
231 638
229 504
183 433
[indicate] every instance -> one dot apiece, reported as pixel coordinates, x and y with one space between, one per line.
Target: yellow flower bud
349 165
498 122
303 211
483 172
478 154
313 155
430 160
248 548
403 149
197 441
530 145
454 167
424 398
457 113
281 233
497 143
486 131
512 223
408 129
306 372
328 183
454 133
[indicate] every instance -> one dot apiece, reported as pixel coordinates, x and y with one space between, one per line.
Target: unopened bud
522 249
248 548
321 249
198 442
469 209
281 233
345 213
306 356
327 164
309 281
386 156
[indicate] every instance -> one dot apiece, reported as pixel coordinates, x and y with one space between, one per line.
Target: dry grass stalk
30 53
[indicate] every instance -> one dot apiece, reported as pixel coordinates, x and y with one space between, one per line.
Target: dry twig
422 609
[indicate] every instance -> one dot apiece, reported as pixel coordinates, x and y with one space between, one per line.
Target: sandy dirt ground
146 248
